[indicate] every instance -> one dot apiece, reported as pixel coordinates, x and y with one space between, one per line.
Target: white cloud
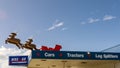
94 20
6 52
91 20
59 24
108 17
83 23
64 29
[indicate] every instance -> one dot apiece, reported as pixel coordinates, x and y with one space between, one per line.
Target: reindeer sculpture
29 45
14 40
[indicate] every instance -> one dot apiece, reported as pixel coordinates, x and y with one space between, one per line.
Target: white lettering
49 54
110 56
14 59
106 56
75 55
98 56
24 59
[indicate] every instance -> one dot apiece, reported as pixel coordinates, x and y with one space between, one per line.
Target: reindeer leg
18 46
6 41
31 49
21 45
35 48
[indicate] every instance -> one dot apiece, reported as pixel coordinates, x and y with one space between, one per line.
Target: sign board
37 54
18 60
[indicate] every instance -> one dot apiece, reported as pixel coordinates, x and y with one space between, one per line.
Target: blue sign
37 54
18 60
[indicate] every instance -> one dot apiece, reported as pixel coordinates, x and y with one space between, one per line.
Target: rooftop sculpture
28 44
14 40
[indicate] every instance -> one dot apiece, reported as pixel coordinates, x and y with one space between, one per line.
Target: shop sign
75 55
18 60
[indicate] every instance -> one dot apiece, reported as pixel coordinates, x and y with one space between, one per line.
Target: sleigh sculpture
56 48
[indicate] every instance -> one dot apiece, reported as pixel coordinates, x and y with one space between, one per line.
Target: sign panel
37 54
18 60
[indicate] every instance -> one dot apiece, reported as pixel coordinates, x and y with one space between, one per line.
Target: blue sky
79 25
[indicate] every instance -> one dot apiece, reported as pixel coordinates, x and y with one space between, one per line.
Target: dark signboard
18 60
37 54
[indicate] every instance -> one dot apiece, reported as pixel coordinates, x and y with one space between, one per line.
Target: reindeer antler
14 34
